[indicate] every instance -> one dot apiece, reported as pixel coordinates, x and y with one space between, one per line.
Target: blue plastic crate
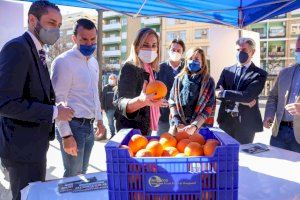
189 178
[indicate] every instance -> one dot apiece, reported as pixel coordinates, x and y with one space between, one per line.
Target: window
112 21
171 22
295 29
277 31
261 32
123 48
176 34
201 33
124 35
124 21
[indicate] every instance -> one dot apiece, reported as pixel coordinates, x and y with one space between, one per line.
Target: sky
64 9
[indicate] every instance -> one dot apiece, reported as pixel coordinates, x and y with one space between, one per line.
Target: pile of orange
180 145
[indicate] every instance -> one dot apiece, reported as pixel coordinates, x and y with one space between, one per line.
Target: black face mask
242 57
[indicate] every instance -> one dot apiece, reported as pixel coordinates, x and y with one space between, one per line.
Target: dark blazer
167 76
251 85
130 85
26 102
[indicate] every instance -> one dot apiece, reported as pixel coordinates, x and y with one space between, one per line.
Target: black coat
130 85
251 85
26 102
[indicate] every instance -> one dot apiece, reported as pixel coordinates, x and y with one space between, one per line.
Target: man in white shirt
75 81
27 100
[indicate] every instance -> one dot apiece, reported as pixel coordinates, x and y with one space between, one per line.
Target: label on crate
174 182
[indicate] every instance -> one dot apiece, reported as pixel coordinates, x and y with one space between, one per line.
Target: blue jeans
84 137
111 122
285 139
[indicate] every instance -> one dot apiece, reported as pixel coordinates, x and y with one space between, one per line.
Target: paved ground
97 160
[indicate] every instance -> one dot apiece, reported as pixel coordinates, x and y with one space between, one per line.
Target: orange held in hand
193 149
155 148
137 142
167 140
158 88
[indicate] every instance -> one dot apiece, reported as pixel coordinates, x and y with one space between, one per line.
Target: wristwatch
195 124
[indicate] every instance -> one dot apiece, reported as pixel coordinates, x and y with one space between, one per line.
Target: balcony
111 27
277 54
116 66
110 14
151 21
111 40
112 53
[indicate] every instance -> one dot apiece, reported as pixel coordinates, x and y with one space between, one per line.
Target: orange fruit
167 140
210 147
137 142
181 135
180 155
158 88
193 149
182 144
127 147
213 141
143 153
170 152
155 148
196 137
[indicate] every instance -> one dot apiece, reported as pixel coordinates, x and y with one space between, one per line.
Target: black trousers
235 130
21 173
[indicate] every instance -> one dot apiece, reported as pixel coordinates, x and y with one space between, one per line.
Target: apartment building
278 40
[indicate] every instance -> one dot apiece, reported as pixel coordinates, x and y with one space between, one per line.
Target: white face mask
174 56
147 56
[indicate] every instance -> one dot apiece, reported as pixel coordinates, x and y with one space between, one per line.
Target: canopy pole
142 6
99 49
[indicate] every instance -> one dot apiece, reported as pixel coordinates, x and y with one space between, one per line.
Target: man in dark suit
238 89
27 109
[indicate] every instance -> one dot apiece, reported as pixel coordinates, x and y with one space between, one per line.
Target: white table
271 175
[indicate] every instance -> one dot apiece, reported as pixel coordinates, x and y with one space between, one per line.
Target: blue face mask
297 57
194 65
87 50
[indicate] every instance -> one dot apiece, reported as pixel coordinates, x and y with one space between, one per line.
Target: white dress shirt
38 48
75 81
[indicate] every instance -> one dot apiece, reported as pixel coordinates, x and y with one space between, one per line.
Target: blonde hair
189 54
137 44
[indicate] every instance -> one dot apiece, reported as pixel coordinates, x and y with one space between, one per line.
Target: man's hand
293 108
64 113
70 145
100 129
190 129
268 122
250 104
219 92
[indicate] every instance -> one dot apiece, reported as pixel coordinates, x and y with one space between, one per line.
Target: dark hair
39 8
85 23
178 41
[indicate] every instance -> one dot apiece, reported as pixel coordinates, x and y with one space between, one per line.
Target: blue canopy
237 13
